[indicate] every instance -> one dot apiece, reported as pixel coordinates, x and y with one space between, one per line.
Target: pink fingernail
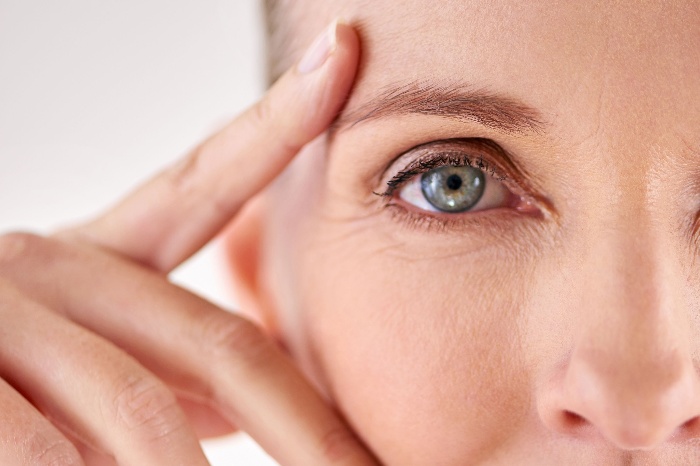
319 51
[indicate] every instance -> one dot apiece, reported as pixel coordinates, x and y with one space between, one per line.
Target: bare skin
559 327
103 361
553 323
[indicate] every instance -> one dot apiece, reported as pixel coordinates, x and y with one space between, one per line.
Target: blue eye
453 189
455 176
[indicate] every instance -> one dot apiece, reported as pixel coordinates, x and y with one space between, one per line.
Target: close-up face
491 257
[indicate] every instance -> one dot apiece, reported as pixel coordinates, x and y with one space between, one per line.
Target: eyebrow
454 101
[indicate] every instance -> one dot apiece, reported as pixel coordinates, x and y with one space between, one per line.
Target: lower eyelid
499 219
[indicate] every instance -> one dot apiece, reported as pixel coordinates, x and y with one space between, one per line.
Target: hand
103 360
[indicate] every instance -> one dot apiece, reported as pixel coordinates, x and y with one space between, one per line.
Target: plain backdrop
96 95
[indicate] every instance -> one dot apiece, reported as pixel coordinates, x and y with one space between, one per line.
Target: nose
628 375
636 402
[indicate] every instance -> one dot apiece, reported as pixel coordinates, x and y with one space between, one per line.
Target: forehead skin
436 346
624 56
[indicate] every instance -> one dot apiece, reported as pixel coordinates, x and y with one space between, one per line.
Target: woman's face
543 312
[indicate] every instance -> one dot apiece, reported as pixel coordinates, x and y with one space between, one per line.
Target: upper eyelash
440 159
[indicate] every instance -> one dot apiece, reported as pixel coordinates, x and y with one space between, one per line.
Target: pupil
454 182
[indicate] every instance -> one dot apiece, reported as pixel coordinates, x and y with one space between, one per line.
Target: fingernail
319 51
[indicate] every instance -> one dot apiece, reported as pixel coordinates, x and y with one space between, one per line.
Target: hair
290 28
279 38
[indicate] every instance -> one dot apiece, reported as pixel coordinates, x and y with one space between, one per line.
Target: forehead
572 60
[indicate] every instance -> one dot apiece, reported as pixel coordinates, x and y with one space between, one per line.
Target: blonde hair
279 37
291 26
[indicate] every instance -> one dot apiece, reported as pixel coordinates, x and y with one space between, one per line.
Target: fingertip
348 42
331 84
338 41
346 56
307 98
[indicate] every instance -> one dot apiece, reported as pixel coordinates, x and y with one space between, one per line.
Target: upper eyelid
442 159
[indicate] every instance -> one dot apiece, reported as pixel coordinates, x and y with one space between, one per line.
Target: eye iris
453 189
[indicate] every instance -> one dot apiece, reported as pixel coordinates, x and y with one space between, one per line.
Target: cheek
417 341
422 354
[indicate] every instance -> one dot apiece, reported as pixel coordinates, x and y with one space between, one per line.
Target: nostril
628 435
691 424
690 429
630 404
572 420
573 424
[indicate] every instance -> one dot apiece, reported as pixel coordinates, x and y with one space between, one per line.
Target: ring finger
97 392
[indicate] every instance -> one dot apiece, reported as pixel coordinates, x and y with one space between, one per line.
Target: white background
96 95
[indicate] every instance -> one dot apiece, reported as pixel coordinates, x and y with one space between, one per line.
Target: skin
564 333
103 361
560 329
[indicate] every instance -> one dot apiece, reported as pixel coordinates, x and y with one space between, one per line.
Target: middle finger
194 346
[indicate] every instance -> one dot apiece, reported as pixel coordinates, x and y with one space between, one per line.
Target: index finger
173 215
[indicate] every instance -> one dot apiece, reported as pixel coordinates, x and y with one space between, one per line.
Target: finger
205 420
27 437
94 389
176 213
210 355
91 456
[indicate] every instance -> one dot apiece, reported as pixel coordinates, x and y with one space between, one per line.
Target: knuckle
42 451
267 118
144 404
233 339
182 177
262 112
15 245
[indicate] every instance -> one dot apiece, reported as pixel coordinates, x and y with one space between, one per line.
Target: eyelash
439 158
